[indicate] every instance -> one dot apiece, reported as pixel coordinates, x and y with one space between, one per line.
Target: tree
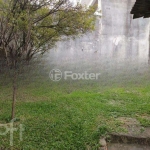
32 27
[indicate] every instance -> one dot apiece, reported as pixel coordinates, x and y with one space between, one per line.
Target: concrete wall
118 48
117 19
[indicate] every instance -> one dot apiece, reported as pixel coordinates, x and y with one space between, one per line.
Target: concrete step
117 146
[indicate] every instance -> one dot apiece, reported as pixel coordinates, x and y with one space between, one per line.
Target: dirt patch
115 103
135 138
132 127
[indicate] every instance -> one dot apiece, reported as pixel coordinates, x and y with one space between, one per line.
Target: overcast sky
73 1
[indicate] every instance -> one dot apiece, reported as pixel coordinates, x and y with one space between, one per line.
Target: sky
75 1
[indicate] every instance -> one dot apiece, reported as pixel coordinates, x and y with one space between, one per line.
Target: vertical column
99 9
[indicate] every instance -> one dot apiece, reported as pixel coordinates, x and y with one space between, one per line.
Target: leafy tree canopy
29 27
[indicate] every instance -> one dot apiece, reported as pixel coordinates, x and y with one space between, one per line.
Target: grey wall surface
118 47
118 21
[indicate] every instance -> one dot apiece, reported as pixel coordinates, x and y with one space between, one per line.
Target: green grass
70 115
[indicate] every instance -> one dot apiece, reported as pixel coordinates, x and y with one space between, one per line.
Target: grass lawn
69 115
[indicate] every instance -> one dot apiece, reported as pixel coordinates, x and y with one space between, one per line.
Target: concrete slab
127 147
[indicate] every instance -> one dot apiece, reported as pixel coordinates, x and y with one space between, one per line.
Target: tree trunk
149 46
14 95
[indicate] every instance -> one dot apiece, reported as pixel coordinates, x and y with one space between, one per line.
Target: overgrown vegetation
64 115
